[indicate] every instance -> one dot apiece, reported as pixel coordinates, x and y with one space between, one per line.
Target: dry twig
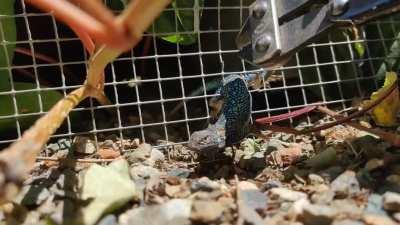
340 119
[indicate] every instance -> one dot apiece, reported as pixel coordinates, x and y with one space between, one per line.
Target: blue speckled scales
236 109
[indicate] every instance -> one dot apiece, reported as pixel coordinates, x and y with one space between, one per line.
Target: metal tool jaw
276 29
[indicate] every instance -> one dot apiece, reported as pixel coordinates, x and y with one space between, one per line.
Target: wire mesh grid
153 87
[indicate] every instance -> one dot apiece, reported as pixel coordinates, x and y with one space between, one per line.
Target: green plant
179 23
27 102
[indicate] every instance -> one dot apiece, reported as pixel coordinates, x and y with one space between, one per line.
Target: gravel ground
340 176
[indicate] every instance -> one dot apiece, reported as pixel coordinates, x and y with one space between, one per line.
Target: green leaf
392 62
9 34
360 49
390 31
108 187
353 33
25 102
181 16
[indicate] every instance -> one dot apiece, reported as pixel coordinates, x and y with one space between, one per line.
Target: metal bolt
263 43
260 9
339 7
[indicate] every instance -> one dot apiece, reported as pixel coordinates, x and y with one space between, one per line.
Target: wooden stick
55 159
386 136
18 159
361 112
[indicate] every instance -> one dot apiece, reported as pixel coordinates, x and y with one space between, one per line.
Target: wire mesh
153 87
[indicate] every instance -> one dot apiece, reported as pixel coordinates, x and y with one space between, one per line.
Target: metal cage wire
146 83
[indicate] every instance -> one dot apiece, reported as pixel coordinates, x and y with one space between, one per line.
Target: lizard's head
255 80
206 139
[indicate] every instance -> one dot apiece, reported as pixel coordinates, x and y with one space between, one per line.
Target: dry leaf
108 153
385 113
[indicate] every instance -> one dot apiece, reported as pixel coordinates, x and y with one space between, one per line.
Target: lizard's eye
205 139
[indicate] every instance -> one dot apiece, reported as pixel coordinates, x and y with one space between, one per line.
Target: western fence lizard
233 123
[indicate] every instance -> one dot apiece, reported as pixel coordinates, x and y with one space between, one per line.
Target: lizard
233 123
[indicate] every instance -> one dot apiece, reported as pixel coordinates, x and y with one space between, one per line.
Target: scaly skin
233 124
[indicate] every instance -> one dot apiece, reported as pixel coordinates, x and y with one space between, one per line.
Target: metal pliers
276 29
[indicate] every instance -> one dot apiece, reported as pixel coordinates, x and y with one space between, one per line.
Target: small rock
347 207
84 145
287 137
140 154
206 211
315 179
177 191
319 188
64 144
173 180
347 222
108 220
324 197
375 205
135 142
175 211
286 194
207 196
374 219
287 156
250 195
61 154
146 154
307 147
227 202
156 156
374 164
47 207
32 217
2 216
108 153
270 184
393 179
249 199
346 184
396 216
297 208
391 201
144 172
53 147
317 214
179 172
62 208
109 144
204 184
